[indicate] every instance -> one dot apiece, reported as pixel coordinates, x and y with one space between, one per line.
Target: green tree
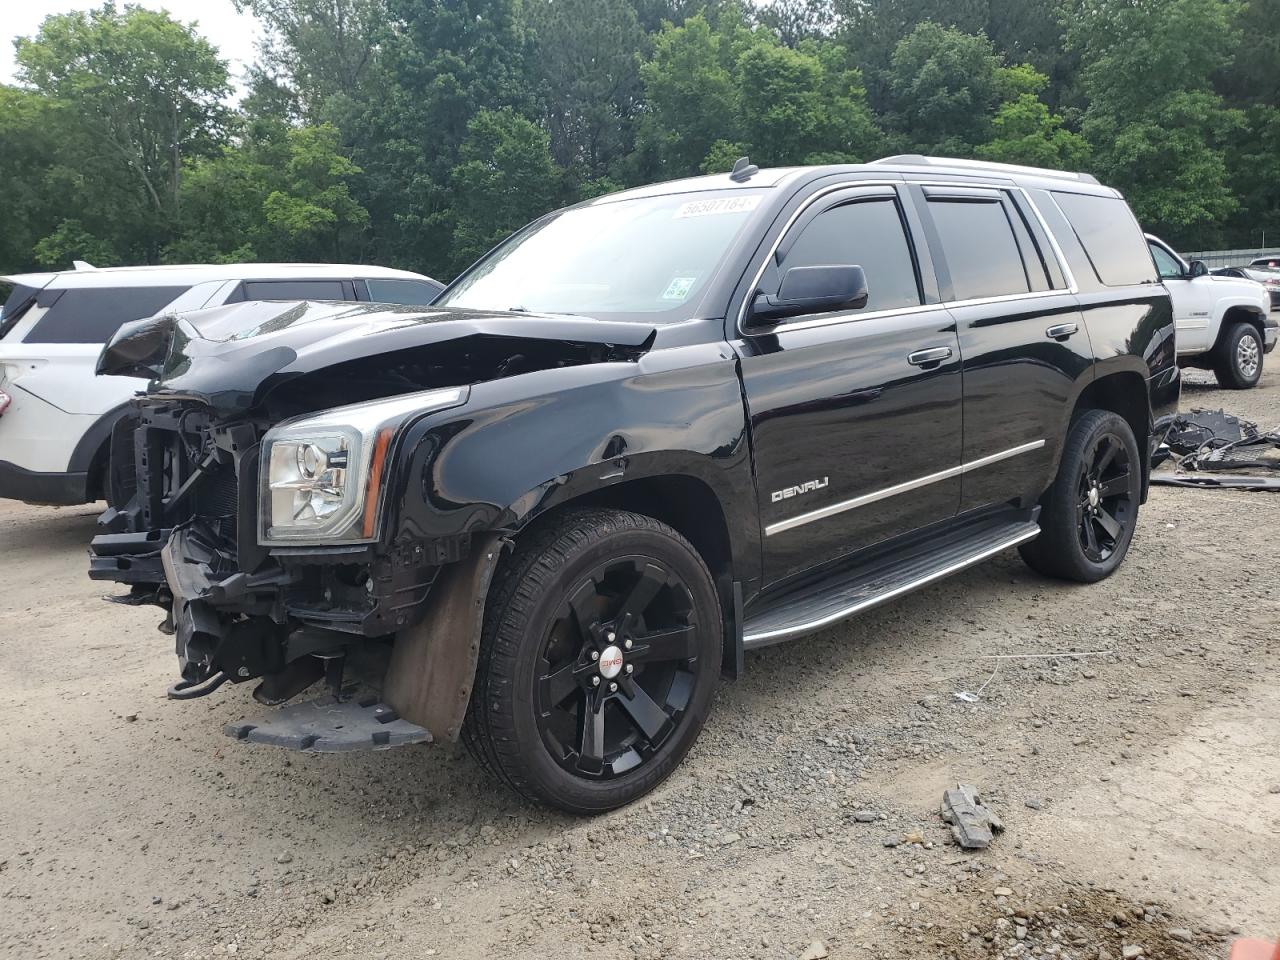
322 51
717 91
690 91
1157 127
505 177
1025 131
588 80
142 93
944 87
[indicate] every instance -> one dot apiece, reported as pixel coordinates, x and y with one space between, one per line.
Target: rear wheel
1238 364
598 660
1088 516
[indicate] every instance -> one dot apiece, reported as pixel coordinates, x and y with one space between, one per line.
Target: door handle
1061 331
933 355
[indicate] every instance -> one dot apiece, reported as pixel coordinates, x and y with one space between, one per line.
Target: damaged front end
255 506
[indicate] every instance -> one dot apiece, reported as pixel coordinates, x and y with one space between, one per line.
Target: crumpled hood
232 356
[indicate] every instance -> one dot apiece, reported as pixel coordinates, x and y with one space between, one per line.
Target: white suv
1223 324
56 417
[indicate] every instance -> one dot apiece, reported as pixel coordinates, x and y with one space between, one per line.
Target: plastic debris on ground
972 825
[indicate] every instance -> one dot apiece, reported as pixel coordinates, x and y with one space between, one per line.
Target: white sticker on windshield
710 208
679 288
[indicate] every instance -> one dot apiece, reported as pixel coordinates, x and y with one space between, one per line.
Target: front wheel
1238 365
1088 516
598 660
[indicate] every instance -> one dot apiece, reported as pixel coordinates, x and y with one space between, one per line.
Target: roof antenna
743 170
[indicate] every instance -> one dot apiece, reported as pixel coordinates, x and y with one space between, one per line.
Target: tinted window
981 252
1166 265
16 299
869 234
295 290
92 315
417 293
1110 237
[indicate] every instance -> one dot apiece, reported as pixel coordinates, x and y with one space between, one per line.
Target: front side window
980 248
1166 264
864 233
94 314
647 258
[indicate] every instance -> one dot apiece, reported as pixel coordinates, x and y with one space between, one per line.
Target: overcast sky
232 33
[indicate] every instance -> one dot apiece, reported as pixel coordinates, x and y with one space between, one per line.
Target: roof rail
919 160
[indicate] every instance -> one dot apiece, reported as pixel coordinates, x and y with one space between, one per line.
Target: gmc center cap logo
611 662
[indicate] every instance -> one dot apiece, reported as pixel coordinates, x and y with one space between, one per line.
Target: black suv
643 435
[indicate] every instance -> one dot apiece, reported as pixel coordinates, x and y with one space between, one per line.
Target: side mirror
804 290
1198 268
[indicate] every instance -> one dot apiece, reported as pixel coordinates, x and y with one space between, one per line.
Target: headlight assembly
321 476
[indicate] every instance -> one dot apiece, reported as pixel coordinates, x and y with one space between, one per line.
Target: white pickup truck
1223 324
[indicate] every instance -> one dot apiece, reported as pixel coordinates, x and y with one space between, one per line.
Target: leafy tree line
418 133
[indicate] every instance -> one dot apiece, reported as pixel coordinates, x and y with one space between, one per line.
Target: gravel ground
1140 787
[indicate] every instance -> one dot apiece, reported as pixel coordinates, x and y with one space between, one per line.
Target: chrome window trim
766 330
863 499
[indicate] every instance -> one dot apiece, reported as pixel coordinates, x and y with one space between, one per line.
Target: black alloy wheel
599 658
617 667
1106 505
1089 514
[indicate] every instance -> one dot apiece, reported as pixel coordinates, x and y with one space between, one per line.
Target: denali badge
786 493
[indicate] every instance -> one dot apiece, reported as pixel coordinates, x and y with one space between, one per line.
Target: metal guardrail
1231 258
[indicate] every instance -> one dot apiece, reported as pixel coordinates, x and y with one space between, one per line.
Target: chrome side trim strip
861 501
760 639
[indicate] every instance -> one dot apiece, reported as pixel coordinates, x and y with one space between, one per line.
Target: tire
578 732
1238 360
1085 537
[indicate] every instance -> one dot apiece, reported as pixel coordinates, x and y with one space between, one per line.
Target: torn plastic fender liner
433 663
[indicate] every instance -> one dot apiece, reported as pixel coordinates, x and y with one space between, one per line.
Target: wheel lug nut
595 681
595 654
630 668
613 688
611 636
627 644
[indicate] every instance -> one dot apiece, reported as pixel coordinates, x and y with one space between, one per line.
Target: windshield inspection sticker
679 288
711 208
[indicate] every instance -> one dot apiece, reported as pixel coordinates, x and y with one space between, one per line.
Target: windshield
649 259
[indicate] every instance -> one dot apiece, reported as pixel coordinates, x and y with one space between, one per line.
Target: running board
851 590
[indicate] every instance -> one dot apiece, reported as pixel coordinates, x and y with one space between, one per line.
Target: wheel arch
1240 313
92 452
1123 392
690 506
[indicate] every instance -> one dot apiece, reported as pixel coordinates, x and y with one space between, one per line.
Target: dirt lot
1140 787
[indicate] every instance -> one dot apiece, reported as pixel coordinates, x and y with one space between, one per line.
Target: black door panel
1019 383
841 407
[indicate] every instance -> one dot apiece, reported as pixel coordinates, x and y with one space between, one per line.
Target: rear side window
295 290
92 315
416 293
980 248
868 234
16 300
1110 236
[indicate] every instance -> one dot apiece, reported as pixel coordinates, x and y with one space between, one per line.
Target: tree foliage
418 133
